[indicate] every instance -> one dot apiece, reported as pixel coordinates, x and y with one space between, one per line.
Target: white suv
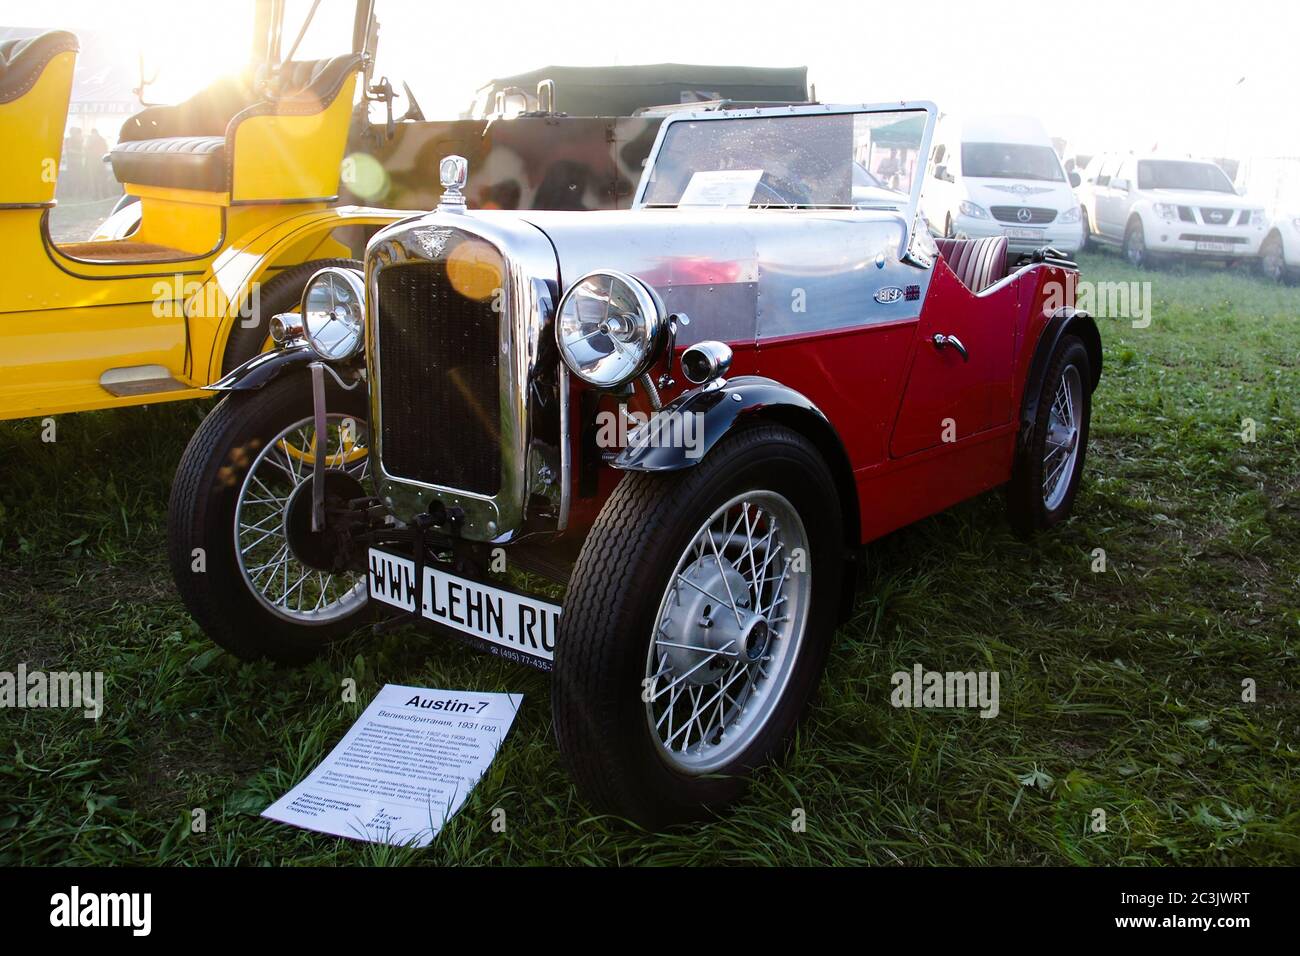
1274 183
1155 205
1000 176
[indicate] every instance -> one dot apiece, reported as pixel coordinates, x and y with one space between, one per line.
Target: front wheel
1135 245
697 624
1272 259
249 567
1048 466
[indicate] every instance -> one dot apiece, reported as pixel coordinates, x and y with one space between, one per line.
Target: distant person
96 171
74 162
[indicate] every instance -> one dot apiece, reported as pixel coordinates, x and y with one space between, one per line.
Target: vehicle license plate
1023 233
1214 247
518 623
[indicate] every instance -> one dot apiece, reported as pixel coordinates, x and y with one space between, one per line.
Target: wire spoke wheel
277 483
728 632
1065 422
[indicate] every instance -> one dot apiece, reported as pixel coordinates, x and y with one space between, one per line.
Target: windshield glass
1179 174
826 159
327 34
1011 161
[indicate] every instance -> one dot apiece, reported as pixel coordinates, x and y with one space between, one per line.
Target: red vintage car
689 416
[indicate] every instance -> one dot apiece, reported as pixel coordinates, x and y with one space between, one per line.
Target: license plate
1023 233
1214 247
518 623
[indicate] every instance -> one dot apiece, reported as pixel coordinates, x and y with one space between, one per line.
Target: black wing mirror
1074 179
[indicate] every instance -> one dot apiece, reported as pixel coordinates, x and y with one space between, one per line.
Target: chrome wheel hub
728 632
286 566
1061 449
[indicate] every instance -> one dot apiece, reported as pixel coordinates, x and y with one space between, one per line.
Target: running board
135 380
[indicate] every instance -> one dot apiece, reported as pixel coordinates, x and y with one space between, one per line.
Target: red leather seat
979 263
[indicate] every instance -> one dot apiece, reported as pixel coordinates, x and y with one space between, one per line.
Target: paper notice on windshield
721 187
404 768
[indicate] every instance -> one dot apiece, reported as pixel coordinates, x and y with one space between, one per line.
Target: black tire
1135 245
947 227
1027 508
1272 260
1088 244
283 293
201 514
614 598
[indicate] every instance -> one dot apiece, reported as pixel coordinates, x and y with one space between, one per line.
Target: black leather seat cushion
179 162
979 263
23 61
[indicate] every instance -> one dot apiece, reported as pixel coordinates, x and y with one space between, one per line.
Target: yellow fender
228 291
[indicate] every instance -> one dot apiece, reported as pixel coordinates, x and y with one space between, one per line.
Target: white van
1001 176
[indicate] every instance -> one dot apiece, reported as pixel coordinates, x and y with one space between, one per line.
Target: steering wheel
792 199
413 111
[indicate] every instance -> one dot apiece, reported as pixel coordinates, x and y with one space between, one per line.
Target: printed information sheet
404 768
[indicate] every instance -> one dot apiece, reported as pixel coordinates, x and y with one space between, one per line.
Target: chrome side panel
750 275
530 464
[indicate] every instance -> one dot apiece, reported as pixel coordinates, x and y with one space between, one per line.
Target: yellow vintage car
235 188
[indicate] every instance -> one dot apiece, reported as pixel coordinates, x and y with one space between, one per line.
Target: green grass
1119 690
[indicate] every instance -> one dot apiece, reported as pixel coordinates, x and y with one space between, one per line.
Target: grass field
1120 691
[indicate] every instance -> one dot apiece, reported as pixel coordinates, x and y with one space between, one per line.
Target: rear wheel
1087 244
283 293
1045 477
696 626
250 569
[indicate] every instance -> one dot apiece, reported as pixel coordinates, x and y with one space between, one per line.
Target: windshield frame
908 211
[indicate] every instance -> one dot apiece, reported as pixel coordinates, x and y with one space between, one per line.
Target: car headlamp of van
333 313
1070 215
1165 210
968 208
610 328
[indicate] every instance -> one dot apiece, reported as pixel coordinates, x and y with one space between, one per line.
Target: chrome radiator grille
439 385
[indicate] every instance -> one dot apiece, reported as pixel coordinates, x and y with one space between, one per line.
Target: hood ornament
453 172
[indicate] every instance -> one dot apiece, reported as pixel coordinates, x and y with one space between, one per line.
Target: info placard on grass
404 768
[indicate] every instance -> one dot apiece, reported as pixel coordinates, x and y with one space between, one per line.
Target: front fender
263 368
242 265
1065 321
684 431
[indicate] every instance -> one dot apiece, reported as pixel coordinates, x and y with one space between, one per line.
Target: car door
948 397
1118 200
1103 197
936 196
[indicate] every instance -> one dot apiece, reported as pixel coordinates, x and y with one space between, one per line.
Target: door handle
942 341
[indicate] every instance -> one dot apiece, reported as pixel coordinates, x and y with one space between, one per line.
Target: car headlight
1296 222
333 313
1166 210
610 328
1070 215
968 208
1258 217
